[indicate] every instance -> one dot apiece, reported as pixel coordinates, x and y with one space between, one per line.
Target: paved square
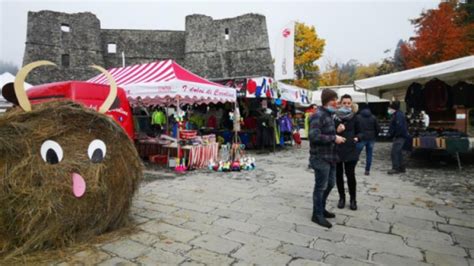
263 217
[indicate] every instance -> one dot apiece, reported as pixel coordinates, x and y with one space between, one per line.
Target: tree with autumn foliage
309 47
441 34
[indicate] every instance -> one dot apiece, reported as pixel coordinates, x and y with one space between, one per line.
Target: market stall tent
164 82
357 96
316 97
395 84
295 94
261 87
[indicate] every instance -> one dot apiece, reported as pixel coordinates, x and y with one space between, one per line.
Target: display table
200 155
173 149
148 147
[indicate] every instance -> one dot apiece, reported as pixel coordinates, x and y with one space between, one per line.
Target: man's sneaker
393 172
367 173
328 214
321 221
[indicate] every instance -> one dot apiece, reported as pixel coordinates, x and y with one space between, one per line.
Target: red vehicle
90 95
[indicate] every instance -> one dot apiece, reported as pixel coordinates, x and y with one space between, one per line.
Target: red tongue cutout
78 185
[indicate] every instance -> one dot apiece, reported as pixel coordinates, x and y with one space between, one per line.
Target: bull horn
19 84
113 90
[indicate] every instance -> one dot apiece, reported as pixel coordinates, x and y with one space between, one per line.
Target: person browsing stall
370 129
399 132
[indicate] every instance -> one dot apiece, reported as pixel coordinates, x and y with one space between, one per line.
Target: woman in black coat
347 126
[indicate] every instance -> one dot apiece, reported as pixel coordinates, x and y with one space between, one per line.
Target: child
297 138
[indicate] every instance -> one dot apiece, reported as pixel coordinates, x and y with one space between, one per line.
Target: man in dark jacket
399 132
323 156
370 129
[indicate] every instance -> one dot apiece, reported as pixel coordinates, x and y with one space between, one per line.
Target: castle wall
142 46
202 48
245 51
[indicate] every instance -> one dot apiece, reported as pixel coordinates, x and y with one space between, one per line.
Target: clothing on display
414 97
463 94
212 122
437 95
158 118
285 123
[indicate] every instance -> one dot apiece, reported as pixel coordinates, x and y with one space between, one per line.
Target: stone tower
228 48
72 41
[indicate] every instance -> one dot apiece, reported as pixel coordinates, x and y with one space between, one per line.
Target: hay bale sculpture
67 172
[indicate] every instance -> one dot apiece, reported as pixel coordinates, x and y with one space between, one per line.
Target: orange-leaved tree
441 34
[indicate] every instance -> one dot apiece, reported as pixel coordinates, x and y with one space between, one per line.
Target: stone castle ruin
214 49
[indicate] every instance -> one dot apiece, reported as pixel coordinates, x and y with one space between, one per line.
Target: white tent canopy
357 96
294 94
395 84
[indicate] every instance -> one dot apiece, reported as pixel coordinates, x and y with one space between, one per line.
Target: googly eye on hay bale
67 172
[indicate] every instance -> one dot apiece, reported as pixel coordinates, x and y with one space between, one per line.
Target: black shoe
321 221
353 205
402 170
342 203
367 172
393 172
328 214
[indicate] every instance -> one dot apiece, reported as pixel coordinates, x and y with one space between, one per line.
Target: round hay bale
67 173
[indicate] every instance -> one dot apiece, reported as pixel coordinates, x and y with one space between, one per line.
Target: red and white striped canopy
164 82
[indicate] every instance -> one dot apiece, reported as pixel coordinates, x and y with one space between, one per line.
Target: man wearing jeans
323 156
399 132
370 129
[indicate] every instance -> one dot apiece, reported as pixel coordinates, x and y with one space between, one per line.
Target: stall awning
357 96
294 94
393 84
164 81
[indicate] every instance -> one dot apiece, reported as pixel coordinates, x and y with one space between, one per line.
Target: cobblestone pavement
263 217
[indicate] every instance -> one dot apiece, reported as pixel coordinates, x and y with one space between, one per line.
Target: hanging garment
212 122
236 121
198 120
437 95
250 122
158 118
285 124
414 97
463 94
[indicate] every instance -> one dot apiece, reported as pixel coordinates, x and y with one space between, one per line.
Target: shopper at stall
399 132
323 156
348 126
370 129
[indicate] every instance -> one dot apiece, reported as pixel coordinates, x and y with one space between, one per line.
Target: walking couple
335 134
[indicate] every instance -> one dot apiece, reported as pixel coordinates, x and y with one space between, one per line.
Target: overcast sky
360 30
